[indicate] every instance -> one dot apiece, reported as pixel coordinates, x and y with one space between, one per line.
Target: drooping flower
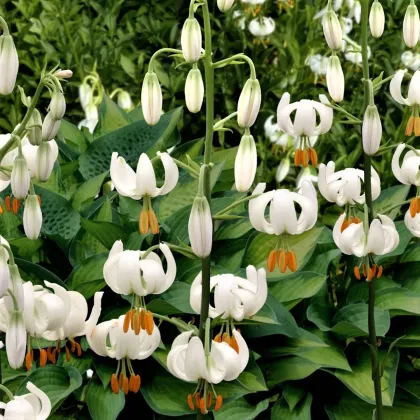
371 130
200 227
283 219
282 169
376 19
35 128
335 79
91 118
410 60
151 98
191 40
50 127
411 26
245 163
9 62
412 100
32 217
352 237
249 103
225 5
20 177
344 187
332 30
234 297
188 361
262 27
304 125
111 339
142 184
318 65
412 217
124 100
306 174
194 90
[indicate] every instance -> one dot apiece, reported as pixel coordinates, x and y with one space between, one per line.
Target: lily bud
50 127
411 26
35 133
16 340
9 64
249 103
124 100
283 169
57 105
20 178
44 162
194 91
191 40
4 271
200 227
85 95
332 30
371 130
32 217
64 74
335 79
245 163
377 19
225 5
151 98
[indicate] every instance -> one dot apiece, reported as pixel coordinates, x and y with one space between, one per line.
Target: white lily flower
57 107
245 163
272 130
142 184
124 100
191 40
225 5
20 178
35 132
344 187
151 98
127 272
332 30
50 127
9 63
412 222
283 218
4 267
16 339
253 2
46 156
408 173
234 297
32 406
411 26
249 103
335 79
410 60
200 227
306 174
32 217
412 100
355 11
261 27
346 25
318 64
371 130
194 90
304 125
85 95
377 19
282 169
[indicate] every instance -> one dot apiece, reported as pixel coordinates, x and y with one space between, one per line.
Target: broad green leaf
36 273
388 198
331 357
399 301
232 230
360 380
302 411
178 295
411 254
293 393
57 382
252 378
320 315
103 404
359 291
408 277
240 409
72 136
87 192
106 233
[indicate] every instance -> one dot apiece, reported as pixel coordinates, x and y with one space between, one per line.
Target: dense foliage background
310 356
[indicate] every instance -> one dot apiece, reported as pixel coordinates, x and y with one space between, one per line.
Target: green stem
4 26
161 51
220 123
178 323
186 167
235 204
376 375
7 392
229 60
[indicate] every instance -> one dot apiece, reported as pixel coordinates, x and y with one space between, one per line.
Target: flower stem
161 51
376 375
232 59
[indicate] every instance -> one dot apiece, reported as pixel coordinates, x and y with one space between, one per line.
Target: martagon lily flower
188 361
412 100
142 184
134 272
283 219
304 124
353 237
109 339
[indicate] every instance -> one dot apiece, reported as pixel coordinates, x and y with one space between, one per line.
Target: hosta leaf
240 409
302 411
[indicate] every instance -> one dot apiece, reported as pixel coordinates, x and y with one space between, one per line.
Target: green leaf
37 274
72 136
388 198
103 404
399 301
87 192
292 394
57 382
111 117
178 295
261 244
128 66
352 321
240 409
129 141
252 378
360 380
302 411
106 233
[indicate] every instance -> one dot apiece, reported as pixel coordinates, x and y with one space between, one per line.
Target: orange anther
79 349
58 346
126 385
379 274
197 399
418 204
144 222
219 402
413 207
226 338
190 402
298 157
54 357
137 384
218 338
345 225
73 346
136 323
282 260
209 399
356 272
153 221
370 275
291 261
417 126
150 325
7 203
271 261
15 205
305 158
114 384
1 209
42 357
364 270
410 126
314 157
49 354
131 382
374 268
234 344
127 321
68 357
142 319
28 360
203 406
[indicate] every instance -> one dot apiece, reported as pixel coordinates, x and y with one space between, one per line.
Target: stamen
218 338
197 399
142 319
314 157
190 402
364 270
203 406
418 205
39 199
226 338
1 209
68 357
234 344
15 205
271 261
58 346
370 275
219 402
356 272
345 225
153 221
53 357
28 360
114 384
150 325
374 268
49 354
144 222
42 357
379 272
79 348
126 386
135 325
298 157
291 262
7 203
410 126
414 207
121 380
417 126
305 158
127 320
282 260
209 399
137 384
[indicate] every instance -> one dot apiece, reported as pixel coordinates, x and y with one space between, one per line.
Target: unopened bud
200 227
194 90
124 100
57 105
249 103
225 5
35 132
151 98
335 79
377 19
44 162
9 64
191 40
411 26
371 130
64 74
332 30
245 163
32 217
85 95
50 127
20 178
